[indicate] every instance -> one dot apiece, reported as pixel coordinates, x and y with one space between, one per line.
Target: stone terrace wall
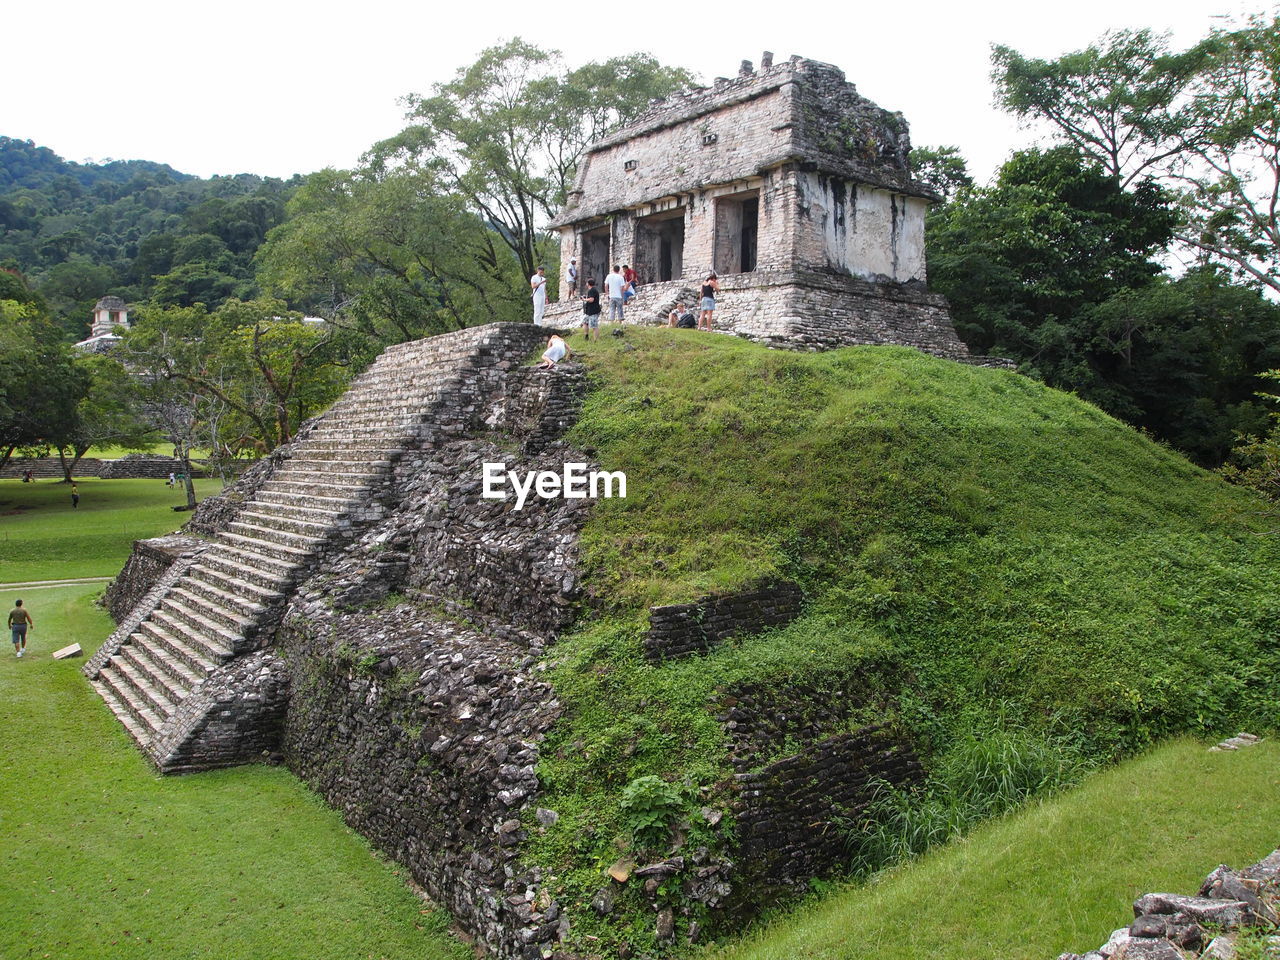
788 812
790 807
148 562
425 734
417 702
44 467
689 628
135 466
807 311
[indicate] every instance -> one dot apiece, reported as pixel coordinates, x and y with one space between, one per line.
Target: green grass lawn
43 538
1057 876
100 858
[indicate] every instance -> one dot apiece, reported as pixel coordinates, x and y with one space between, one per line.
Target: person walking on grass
19 621
75 497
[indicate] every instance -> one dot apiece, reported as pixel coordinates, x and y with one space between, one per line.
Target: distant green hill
133 228
983 557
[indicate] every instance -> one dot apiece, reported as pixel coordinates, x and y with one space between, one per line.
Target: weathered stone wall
236 716
793 814
810 311
870 233
135 466
148 562
794 810
795 110
425 733
418 705
682 629
145 466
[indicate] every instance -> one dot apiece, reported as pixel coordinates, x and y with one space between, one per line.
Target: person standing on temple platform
538 284
614 285
573 278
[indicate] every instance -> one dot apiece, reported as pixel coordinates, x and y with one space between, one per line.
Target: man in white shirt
538 284
614 285
573 278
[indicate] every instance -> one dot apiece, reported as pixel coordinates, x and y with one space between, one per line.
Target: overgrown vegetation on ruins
982 556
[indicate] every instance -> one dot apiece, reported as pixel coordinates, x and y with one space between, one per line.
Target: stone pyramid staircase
227 601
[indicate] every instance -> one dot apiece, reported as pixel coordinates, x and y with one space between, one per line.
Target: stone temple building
787 183
110 320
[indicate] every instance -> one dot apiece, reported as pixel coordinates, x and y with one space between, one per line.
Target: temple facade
110 320
794 189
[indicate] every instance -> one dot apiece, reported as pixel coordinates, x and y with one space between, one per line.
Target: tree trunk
185 457
66 469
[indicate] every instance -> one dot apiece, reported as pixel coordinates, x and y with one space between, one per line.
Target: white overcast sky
278 88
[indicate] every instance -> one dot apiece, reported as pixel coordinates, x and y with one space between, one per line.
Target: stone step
230 611
141 730
269 573
155 695
179 646
267 549
332 506
339 463
357 452
317 529
348 492
128 701
301 544
148 654
324 471
195 629
227 582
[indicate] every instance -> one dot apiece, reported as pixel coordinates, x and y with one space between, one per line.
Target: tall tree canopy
391 254
1205 122
508 131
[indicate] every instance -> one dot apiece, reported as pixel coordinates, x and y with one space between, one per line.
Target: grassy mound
982 557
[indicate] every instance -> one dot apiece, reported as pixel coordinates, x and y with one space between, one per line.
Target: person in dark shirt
19 621
591 310
707 304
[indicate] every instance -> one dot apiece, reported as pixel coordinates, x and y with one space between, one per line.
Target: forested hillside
137 229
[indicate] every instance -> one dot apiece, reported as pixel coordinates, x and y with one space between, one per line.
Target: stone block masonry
147 563
683 629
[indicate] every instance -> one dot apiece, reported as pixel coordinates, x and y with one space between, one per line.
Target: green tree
1021 258
942 169
1183 358
40 384
1205 122
1229 166
108 414
253 366
392 255
507 133
1113 101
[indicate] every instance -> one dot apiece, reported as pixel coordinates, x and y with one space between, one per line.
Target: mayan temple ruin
353 608
787 183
